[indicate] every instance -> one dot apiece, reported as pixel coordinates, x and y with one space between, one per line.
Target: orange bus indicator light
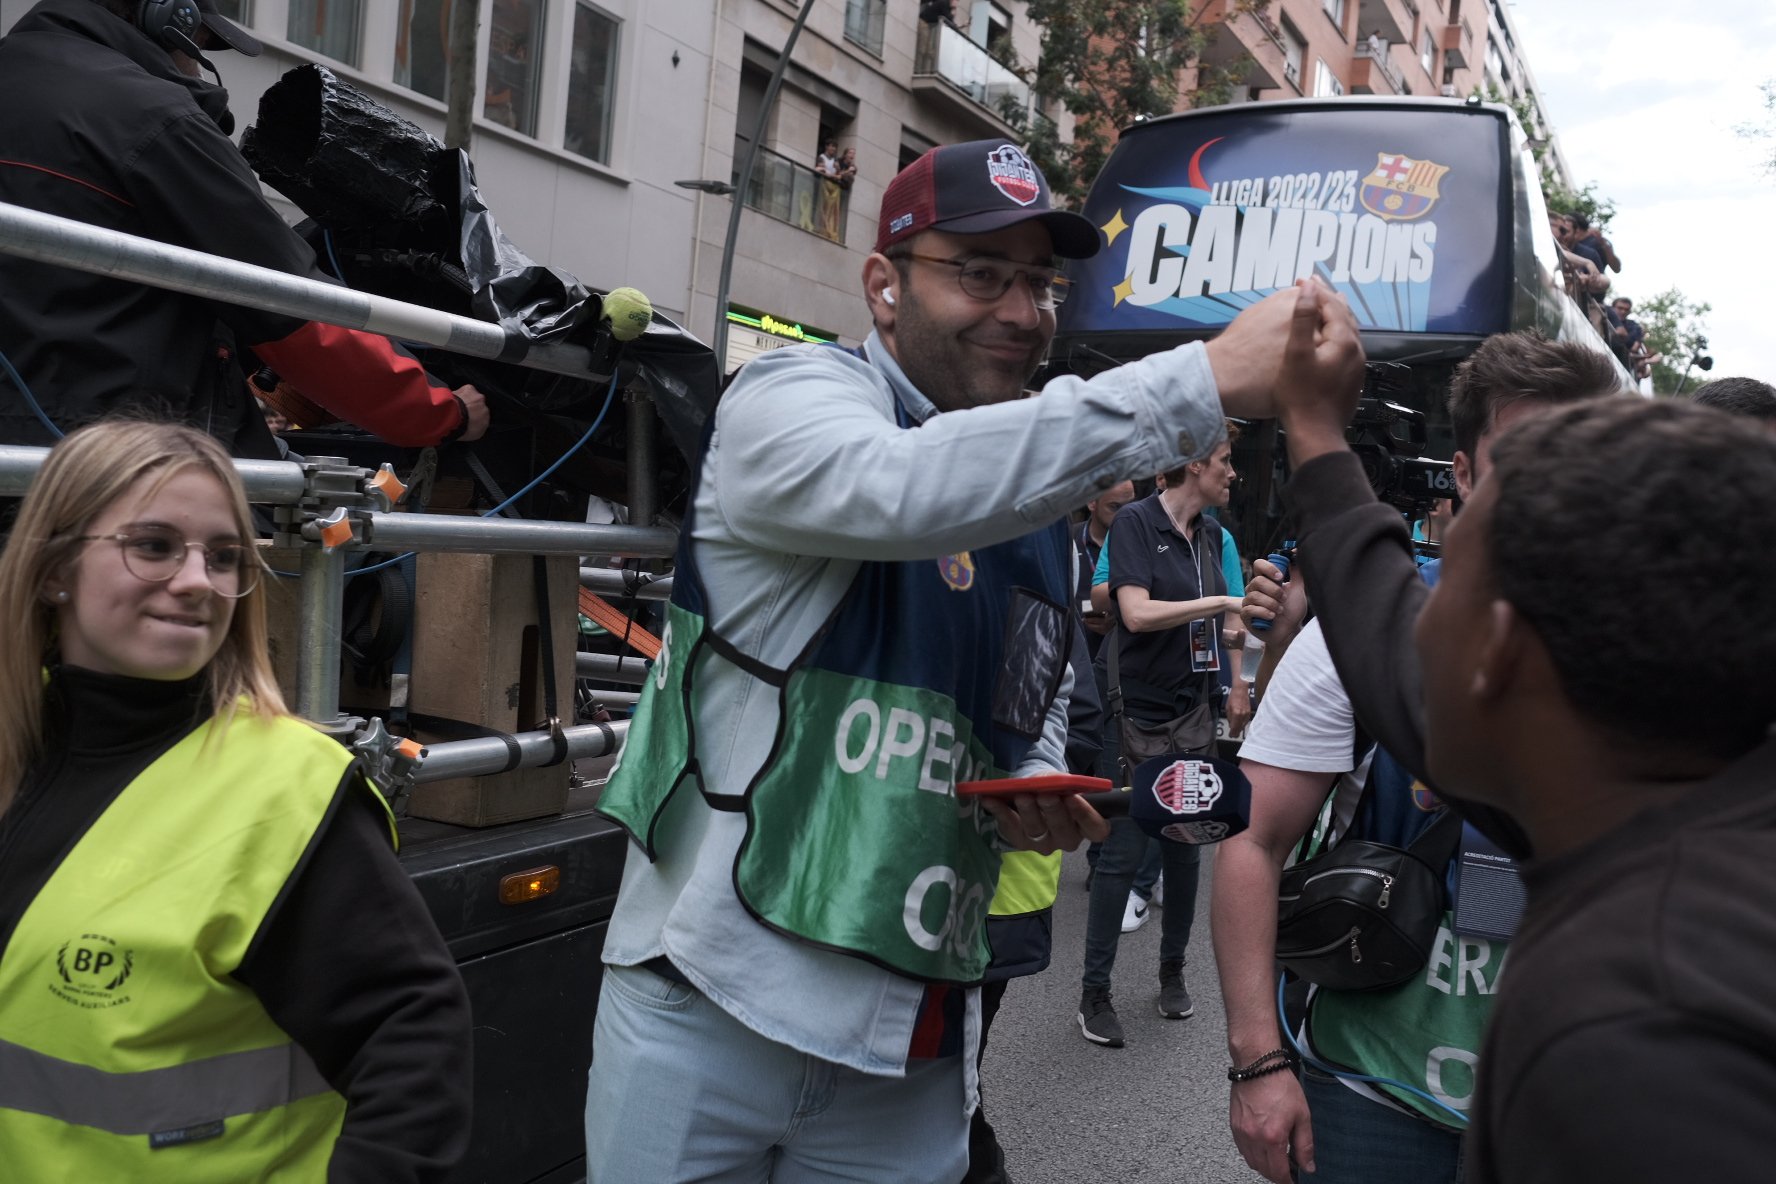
526 886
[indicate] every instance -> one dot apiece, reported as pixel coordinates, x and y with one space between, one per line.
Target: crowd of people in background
1586 258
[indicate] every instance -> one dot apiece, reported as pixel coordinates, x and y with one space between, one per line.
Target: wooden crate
477 657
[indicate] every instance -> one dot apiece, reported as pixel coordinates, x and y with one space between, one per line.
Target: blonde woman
211 966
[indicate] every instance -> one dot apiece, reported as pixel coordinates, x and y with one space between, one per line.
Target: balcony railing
1458 45
1271 29
943 52
1376 50
792 192
864 21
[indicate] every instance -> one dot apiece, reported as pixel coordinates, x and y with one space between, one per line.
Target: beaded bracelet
1271 1062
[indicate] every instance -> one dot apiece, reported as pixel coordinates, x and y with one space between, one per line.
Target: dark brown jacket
1634 1039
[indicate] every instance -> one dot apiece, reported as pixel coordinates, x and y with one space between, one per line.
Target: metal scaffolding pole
626 585
321 610
474 758
499 536
268 482
64 241
611 669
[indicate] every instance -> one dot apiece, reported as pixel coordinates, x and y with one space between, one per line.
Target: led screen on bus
1401 208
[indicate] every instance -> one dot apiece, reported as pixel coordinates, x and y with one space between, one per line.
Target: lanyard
1202 583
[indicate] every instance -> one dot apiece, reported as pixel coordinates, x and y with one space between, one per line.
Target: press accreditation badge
1489 896
1205 655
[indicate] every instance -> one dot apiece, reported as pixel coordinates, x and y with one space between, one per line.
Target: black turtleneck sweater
348 960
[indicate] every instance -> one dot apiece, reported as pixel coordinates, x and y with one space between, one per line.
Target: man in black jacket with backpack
1423 1035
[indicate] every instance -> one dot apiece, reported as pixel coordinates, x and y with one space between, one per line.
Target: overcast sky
1644 95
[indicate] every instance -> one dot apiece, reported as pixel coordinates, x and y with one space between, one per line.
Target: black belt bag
1363 915
1191 732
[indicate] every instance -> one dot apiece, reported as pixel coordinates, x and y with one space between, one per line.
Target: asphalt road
1071 1112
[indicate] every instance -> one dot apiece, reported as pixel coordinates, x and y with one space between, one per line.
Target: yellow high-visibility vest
127 1049
1028 883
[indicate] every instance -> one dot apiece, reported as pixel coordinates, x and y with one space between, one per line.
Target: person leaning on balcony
110 124
826 163
832 180
212 968
802 913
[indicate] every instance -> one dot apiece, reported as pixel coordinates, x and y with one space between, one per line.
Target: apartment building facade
590 113
1328 48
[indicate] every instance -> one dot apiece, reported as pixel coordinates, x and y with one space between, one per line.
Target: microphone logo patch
1187 787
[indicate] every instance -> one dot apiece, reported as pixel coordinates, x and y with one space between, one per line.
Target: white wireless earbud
887 296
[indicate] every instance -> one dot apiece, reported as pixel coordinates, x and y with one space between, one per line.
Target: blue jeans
681 1091
1118 863
1358 1141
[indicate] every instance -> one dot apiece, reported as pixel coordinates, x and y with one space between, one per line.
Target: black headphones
171 24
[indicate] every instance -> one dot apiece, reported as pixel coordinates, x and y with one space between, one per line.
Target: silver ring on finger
1037 838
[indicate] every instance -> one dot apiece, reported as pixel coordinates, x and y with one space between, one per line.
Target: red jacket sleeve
363 378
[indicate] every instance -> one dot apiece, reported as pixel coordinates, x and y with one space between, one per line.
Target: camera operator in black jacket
109 122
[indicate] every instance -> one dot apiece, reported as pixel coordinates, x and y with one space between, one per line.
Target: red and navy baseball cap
977 188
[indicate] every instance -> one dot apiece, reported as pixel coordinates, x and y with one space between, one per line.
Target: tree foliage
1586 201
1560 199
1762 131
1109 63
1674 327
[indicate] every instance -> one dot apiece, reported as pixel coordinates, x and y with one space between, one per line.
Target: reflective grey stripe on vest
156 1099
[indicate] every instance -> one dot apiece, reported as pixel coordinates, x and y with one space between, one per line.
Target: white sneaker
1135 913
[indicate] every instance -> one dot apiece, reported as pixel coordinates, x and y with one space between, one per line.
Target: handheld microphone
629 313
1190 798
1181 798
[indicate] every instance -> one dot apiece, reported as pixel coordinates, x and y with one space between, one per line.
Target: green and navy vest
127 1049
927 673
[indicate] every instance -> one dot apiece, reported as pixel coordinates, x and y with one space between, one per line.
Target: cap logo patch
1187 787
900 223
1012 174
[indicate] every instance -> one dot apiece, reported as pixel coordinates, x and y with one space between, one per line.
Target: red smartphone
1047 783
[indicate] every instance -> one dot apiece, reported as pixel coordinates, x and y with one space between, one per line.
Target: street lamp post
1697 358
738 190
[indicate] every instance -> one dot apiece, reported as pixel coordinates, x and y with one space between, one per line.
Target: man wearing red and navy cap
109 122
872 605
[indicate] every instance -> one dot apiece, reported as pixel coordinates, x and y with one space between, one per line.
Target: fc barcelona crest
1423 797
1401 188
957 571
